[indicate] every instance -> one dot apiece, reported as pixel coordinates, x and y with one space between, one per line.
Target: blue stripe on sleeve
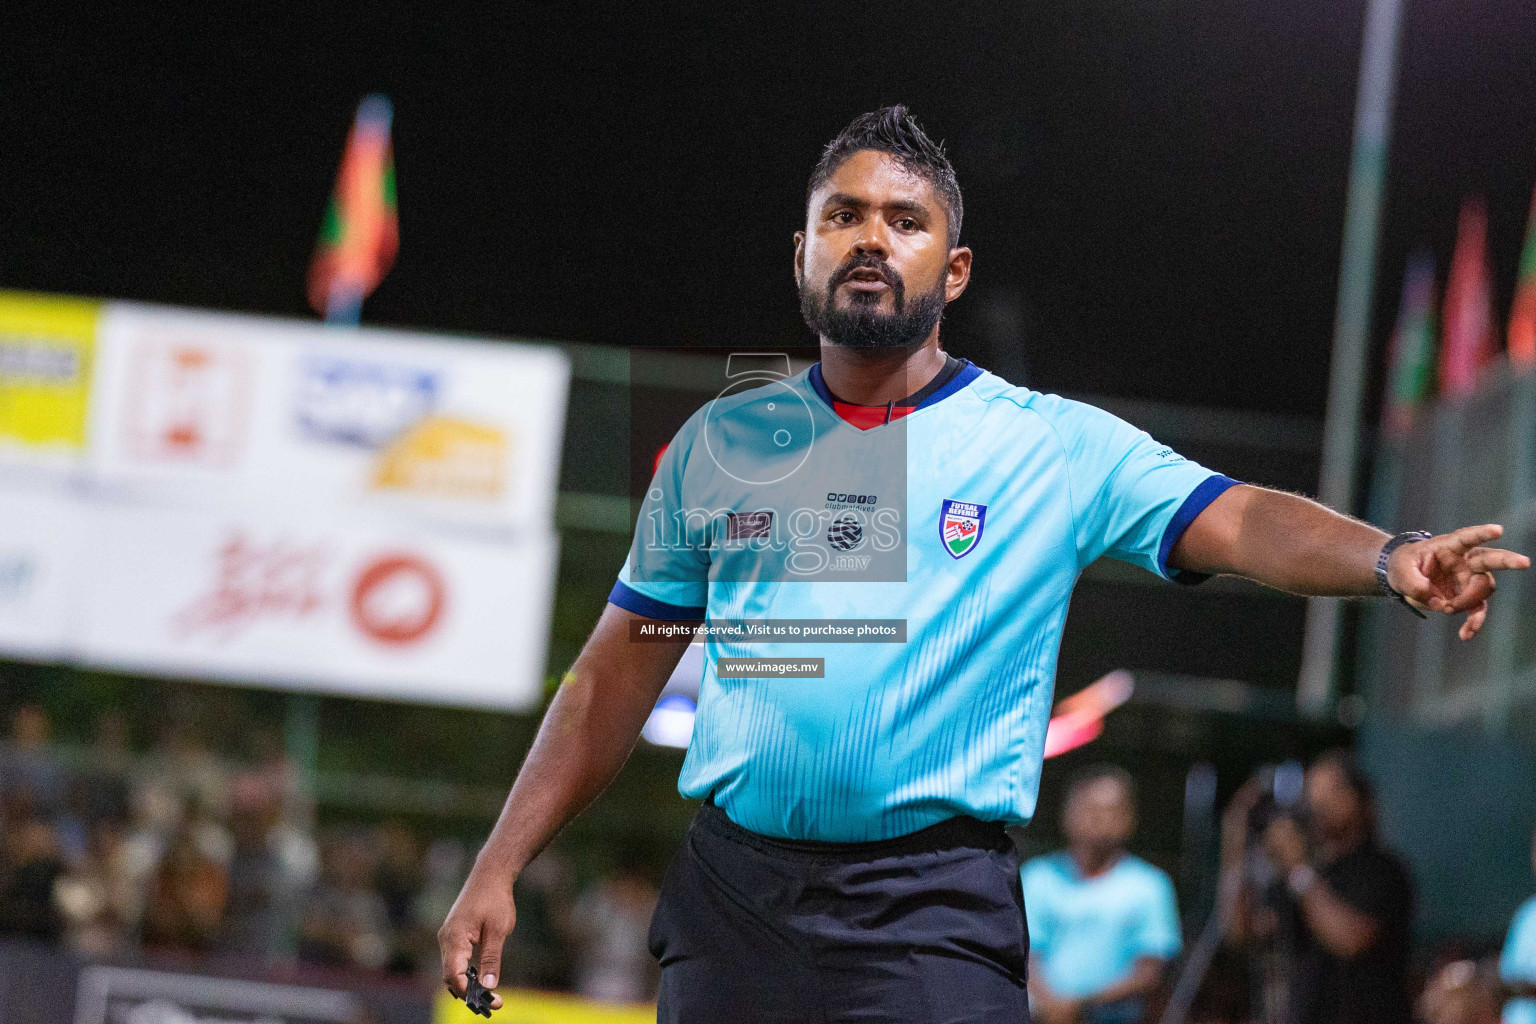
1207 491
631 600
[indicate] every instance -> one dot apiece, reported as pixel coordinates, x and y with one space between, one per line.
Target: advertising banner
43 984
346 605
348 510
46 348
207 407
40 536
126 995
522 1006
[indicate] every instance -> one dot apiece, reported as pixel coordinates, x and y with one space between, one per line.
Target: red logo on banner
187 403
398 599
255 581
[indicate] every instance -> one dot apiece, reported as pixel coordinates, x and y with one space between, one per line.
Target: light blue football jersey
969 519
1089 932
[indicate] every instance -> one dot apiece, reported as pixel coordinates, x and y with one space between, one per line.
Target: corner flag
1468 342
361 232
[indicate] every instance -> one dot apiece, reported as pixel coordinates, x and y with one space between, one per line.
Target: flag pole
344 304
301 711
1352 323
344 297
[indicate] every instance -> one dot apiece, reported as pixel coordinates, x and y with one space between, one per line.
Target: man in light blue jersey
904 530
1103 923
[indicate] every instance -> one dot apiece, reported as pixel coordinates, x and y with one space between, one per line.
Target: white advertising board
214 408
348 510
340 605
108 995
40 534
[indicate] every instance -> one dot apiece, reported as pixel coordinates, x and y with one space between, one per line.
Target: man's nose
872 239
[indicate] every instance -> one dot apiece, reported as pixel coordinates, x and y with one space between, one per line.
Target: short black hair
1089 774
895 131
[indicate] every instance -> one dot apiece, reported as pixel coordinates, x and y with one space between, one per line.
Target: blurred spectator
1517 965
207 830
271 761
72 823
1103 923
155 817
189 893
443 870
28 764
1461 992
105 788
611 922
345 923
538 953
99 897
267 879
397 879
29 868
1328 911
188 767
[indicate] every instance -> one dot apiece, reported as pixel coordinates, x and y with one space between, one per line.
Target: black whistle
476 996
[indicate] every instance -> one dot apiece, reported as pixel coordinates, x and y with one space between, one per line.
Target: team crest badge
960 526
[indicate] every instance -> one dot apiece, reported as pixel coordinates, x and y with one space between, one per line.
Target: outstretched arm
585 738
1292 543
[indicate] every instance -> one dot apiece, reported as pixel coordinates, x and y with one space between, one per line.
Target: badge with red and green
960 525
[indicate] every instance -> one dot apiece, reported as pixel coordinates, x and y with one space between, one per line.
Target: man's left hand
1061 1011
1453 573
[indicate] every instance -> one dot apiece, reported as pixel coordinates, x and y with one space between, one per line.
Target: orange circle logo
398 599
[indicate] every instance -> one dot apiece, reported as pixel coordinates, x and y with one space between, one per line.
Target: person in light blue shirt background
1517 964
1103 923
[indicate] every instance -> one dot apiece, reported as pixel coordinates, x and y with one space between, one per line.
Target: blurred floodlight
671 723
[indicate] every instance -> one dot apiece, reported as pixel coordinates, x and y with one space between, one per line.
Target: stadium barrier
41 984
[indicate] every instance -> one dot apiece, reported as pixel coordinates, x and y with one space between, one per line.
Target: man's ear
958 274
799 258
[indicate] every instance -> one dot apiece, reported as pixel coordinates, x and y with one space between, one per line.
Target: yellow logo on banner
46 343
447 457
523 1007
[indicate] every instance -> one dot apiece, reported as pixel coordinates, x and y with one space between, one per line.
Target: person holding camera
1325 911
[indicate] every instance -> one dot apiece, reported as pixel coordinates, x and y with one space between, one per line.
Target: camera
1280 786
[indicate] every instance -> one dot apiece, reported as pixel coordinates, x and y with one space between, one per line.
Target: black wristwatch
1411 537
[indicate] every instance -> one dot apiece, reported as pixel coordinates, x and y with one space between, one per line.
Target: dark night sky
1154 190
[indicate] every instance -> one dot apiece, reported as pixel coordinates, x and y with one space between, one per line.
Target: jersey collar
948 381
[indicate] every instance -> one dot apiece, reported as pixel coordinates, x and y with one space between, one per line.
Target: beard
861 324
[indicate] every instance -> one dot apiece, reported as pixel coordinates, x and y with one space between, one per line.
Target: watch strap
1382 559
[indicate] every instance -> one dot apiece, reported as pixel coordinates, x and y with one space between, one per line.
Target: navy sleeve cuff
1206 492
631 600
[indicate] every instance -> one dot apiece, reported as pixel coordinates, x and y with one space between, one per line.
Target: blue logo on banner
350 401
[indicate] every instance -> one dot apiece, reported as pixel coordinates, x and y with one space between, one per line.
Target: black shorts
927 927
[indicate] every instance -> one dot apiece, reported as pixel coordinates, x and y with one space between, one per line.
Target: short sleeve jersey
1002 495
1517 964
1089 932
